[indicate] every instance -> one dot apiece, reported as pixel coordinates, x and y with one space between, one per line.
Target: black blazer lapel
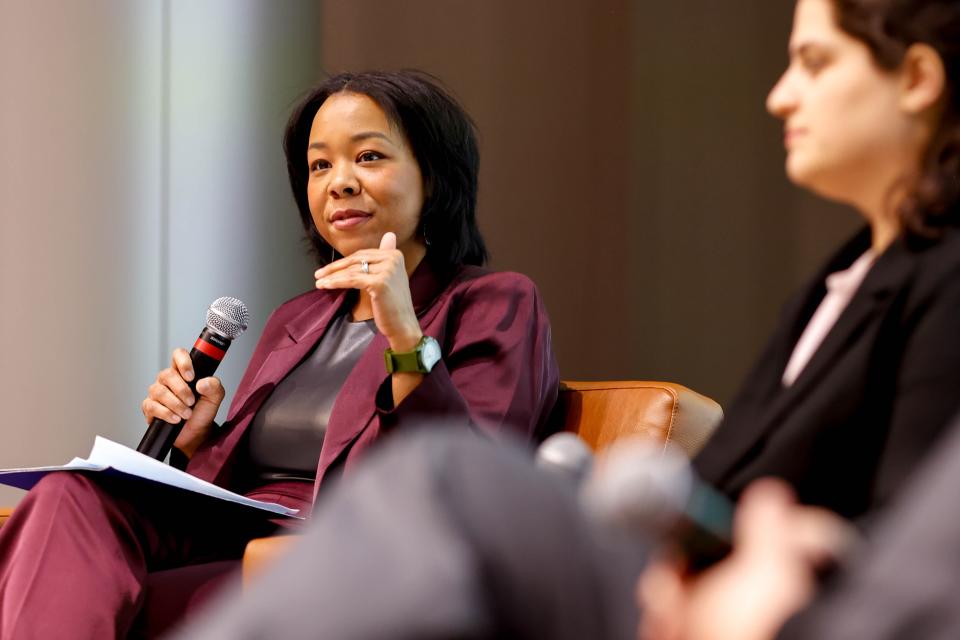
759 410
869 305
872 300
763 387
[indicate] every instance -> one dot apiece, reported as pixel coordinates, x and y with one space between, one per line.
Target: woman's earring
426 240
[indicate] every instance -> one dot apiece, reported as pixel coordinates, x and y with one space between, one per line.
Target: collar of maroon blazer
210 462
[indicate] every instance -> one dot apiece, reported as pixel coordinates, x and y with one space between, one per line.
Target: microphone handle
206 355
705 533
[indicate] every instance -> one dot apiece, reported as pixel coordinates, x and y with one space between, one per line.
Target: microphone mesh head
565 454
228 317
640 486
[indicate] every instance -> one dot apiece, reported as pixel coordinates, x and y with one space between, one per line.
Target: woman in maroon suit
404 327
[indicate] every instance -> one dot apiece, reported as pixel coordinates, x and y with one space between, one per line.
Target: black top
287 432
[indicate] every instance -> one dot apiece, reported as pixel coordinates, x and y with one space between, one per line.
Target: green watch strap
419 360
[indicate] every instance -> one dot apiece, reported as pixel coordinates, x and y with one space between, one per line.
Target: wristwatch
420 360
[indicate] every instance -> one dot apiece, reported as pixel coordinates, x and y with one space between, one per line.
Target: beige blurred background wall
141 176
628 167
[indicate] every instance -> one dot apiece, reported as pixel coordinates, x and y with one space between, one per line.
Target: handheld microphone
567 456
226 319
651 491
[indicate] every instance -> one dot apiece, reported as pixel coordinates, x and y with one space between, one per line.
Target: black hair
444 143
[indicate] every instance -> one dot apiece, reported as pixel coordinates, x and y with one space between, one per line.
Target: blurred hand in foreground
771 574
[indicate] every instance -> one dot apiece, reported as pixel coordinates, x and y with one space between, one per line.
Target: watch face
430 354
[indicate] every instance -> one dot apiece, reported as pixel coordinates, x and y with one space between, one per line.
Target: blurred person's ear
924 80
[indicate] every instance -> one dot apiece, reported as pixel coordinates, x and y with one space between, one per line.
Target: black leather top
288 430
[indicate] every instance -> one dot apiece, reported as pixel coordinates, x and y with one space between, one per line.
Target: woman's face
364 179
845 132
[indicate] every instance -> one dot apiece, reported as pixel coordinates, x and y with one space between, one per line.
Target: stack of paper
115 459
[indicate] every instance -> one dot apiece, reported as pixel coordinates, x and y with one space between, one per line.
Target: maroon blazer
498 369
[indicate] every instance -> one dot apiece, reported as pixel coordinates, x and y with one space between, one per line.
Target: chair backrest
601 412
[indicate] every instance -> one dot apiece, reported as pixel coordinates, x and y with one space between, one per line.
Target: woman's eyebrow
357 137
365 135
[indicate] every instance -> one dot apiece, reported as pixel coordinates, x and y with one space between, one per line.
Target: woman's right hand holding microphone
170 399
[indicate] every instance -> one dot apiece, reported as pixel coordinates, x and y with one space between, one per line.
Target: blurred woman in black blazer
863 371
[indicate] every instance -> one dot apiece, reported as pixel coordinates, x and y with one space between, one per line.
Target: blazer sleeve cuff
436 398
179 460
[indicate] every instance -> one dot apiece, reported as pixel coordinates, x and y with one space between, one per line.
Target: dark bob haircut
443 140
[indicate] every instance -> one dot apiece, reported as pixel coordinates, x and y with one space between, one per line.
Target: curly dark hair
888 28
443 140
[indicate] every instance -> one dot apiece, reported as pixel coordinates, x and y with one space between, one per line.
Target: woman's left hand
387 285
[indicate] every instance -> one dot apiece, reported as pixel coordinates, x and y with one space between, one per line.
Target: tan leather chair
600 413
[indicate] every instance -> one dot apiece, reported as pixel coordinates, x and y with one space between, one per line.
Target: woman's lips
349 219
791 135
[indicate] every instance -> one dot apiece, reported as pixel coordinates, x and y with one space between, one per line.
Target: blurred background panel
80 211
236 68
628 167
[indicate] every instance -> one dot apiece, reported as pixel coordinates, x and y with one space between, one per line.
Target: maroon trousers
76 553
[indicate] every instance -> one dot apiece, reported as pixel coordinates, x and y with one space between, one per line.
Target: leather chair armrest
602 412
